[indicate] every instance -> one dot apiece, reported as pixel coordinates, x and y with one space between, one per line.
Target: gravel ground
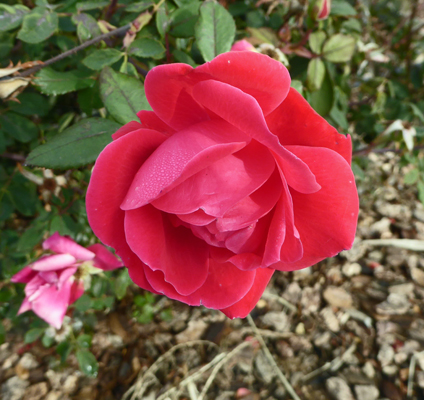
350 327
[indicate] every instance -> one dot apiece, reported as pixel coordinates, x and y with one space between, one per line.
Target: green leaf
122 283
39 25
101 58
339 48
87 27
183 57
342 8
91 5
214 30
64 349
139 6
84 303
147 48
33 334
76 146
295 84
55 82
47 340
316 39
420 187
163 21
84 341
322 100
31 237
87 362
411 177
24 195
184 19
315 74
122 95
31 104
6 44
11 16
20 128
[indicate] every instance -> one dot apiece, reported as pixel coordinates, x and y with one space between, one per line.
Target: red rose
230 177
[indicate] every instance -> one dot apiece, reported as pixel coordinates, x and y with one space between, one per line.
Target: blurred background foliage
361 66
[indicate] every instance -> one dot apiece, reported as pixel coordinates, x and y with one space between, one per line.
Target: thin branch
271 359
70 52
215 371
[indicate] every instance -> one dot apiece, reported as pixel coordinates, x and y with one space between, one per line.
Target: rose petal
223 184
249 301
149 120
77 290
64 245
113 173
225 285
104 259
25 306
176 252
243 111
181 156
51 304
198 218
54 262
326 220
295 122
253 207
168 91
24 275
258 75
127 128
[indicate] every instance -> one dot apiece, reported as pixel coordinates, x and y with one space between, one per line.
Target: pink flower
231 177
242 45
320 9
50 282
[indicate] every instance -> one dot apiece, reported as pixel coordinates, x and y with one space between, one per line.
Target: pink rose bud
231 177
242 45
50 282
320 9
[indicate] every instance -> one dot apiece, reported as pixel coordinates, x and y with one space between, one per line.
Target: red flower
230 177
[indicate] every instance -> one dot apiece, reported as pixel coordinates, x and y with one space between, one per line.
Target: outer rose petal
24 275
295 122
224 286
150 120
77 290
127 128
168 91
181 156
326 220
243 111
176 252
113 173
64 245
104 259
265 79
54 262
248 302
25 306
51 304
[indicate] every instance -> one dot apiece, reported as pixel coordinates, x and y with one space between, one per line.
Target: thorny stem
70 52
271 359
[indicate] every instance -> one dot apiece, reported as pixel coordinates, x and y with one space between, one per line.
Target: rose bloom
51 285
231 177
